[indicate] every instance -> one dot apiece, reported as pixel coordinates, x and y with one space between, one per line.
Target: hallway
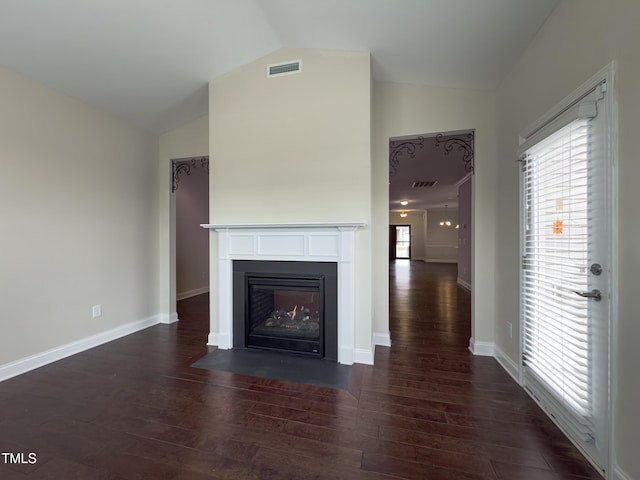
426 304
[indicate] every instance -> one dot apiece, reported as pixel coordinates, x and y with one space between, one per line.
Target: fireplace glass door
285 313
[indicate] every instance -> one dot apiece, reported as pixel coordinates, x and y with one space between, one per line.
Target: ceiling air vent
287 68
429 183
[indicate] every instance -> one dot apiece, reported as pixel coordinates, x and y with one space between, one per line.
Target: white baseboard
509 365
38 360
439 260
220 340
463 284
168 318
192 293
619 474
364 356
483 349
382 339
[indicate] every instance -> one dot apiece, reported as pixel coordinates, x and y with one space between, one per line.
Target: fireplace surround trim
303 242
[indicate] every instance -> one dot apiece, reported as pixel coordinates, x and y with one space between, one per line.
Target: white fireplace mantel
302 242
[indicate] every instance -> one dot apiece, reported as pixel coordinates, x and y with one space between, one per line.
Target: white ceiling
149 61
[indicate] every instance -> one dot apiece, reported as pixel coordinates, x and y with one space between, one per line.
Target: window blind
556 242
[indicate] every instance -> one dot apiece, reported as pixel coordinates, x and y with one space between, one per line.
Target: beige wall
292 148
78 220
190 140
580 38
296 148
442 242
400 110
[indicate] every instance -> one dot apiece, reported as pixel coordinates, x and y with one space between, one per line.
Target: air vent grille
429 183
277 69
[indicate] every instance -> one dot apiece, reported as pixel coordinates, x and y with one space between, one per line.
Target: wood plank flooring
428 409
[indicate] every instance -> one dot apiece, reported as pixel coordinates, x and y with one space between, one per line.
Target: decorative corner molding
463 144
204 163
184 166
398 149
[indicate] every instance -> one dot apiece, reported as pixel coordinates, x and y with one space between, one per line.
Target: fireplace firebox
286 306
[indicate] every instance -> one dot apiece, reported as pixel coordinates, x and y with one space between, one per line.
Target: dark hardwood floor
428 409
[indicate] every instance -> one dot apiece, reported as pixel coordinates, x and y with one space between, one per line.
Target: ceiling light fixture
404 202
403 214
445 222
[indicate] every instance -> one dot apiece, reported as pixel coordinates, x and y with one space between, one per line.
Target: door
403 241
567 270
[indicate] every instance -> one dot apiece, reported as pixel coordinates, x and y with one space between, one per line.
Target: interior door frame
392 242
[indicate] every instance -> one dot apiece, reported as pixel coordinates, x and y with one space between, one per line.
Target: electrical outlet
96 311
510 327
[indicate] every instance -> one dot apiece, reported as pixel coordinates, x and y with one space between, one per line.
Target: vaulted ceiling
149 61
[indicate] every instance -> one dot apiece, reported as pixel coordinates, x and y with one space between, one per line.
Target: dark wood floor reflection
428 409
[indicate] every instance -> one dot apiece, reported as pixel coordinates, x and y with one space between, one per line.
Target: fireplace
304 243
286 306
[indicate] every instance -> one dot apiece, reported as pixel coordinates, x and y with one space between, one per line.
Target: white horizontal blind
556 242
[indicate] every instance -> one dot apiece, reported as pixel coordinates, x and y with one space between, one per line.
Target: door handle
595 294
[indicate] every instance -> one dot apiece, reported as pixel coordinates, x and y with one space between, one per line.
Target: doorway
190 188
430 189
402 243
